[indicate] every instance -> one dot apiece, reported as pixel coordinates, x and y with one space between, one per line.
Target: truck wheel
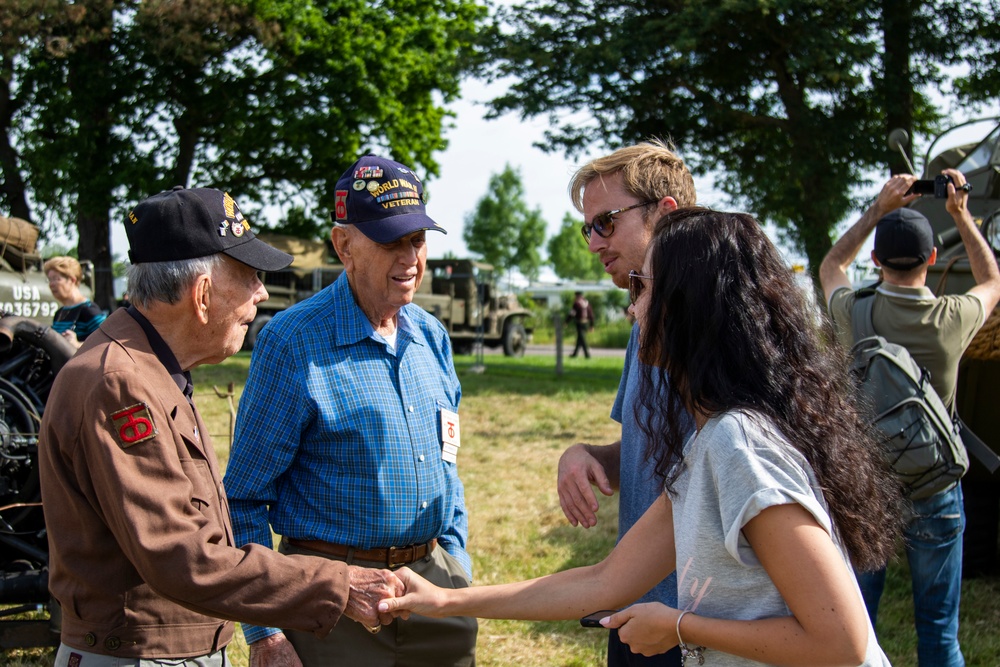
254 329
515 339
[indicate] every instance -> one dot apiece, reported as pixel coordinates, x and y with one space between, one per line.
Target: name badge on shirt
451 436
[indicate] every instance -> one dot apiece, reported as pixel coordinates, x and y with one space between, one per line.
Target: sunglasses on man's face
635 285
604 223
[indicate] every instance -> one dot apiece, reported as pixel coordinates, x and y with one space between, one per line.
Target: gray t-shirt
737 466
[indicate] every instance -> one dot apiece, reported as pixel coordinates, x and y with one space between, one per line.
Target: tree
104 102
569 256
502 230
789 101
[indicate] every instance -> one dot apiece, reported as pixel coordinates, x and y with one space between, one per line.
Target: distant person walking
583 316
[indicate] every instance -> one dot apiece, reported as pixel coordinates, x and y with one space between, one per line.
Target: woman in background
79 316
765 508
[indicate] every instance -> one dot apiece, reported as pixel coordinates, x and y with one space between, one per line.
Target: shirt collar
163 352
356 326
921 293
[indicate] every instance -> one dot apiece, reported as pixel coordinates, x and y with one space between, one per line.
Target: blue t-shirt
638 484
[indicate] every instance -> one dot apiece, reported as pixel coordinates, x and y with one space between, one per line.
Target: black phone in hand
594 620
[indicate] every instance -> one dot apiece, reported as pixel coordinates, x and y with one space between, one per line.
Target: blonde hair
650 170
65 266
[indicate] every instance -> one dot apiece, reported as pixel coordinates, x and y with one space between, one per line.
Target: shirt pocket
205 493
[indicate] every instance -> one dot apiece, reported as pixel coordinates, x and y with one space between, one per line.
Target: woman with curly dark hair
766 507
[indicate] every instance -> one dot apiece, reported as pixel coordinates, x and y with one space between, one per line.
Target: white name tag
451 435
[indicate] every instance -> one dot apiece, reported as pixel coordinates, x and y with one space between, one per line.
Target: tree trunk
187 141
11 183
91 82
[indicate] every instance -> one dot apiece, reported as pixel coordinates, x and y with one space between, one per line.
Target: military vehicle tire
515 339
254 329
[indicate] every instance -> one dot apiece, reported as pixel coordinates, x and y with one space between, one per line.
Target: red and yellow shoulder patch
133 425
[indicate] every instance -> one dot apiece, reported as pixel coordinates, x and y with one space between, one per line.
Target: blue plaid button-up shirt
338 435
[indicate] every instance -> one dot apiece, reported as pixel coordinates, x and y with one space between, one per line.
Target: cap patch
368 172
234 215
340 198
133 425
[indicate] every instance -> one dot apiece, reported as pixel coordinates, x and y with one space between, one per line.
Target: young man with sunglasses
621 196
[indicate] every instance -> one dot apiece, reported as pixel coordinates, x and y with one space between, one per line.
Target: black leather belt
391 557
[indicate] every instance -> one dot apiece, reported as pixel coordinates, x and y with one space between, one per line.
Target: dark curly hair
729 327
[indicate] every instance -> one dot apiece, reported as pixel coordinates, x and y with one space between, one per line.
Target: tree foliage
788 101
503 230
104 102
569 256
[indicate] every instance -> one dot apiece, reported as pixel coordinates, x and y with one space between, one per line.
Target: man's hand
368 586
578 470
957 197
893 194
274 651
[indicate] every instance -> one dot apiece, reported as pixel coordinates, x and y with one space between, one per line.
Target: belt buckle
391 561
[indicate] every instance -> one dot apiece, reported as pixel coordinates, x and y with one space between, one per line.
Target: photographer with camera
936 332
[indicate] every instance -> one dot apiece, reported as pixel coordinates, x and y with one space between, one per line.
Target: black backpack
919 436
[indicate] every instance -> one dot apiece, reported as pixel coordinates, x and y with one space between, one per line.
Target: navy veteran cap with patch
903 239
185 224
383 198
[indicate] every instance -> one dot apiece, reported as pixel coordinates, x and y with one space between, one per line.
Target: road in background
550 349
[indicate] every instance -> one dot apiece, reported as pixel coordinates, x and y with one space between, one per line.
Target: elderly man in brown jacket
142 557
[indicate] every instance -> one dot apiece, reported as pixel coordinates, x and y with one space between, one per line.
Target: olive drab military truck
461 293
24 287
464 296
972 148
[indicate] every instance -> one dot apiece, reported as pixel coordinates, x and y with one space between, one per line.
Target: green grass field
517 418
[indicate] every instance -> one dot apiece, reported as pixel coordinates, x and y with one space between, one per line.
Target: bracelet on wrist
693 652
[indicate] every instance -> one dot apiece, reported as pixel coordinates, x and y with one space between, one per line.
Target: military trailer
977 156
461 293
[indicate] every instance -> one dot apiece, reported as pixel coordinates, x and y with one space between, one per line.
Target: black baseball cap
903 239
384 198
183 224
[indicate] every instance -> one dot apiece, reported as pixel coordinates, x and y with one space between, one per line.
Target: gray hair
149 282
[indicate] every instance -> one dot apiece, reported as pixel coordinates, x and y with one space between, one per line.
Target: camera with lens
938 187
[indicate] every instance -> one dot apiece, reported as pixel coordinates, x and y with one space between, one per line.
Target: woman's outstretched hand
421 597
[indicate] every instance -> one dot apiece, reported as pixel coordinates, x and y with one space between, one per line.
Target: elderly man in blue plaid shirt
344 442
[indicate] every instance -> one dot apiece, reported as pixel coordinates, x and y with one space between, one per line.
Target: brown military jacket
142 559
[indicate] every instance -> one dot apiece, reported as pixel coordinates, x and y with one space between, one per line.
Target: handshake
379 596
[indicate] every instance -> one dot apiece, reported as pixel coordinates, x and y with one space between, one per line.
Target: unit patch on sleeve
133 425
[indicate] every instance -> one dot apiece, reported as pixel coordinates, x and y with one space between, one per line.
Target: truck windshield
982 155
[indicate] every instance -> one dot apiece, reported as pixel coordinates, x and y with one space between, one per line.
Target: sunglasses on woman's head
635 285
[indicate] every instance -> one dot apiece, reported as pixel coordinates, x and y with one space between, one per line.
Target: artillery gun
31 354
972 148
